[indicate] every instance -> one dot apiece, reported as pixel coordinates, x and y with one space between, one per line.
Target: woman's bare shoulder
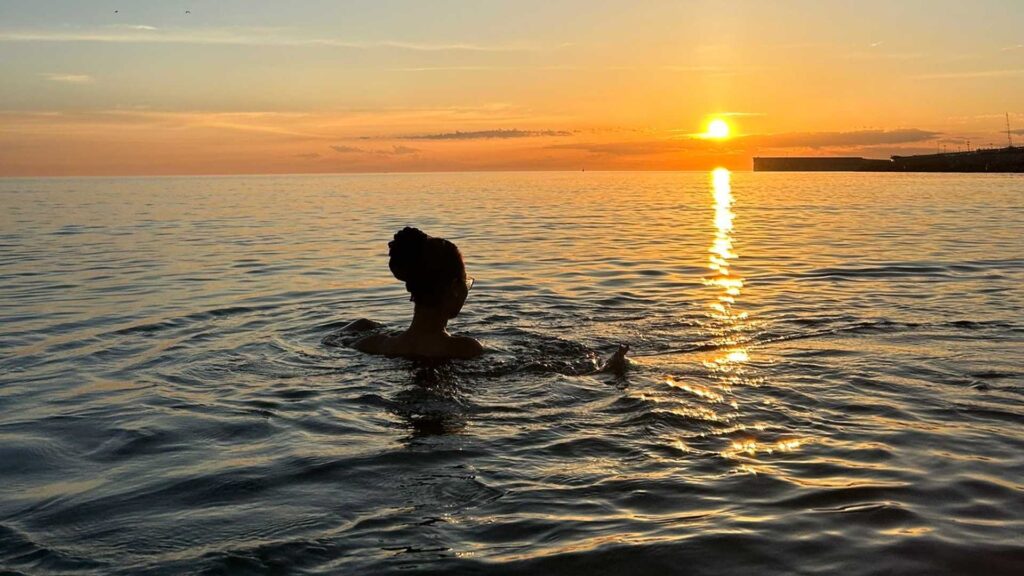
466 347
385 344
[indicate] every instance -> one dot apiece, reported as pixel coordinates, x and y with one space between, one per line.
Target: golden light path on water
730 323
729 286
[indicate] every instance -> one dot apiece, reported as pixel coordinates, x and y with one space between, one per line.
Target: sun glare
718 129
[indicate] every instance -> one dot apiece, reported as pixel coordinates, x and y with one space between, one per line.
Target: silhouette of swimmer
435 276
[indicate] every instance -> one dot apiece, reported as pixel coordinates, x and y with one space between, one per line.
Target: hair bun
405 251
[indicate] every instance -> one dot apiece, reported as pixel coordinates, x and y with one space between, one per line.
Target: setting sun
465 286
718 129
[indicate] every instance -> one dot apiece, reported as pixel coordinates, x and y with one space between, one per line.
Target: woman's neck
427 321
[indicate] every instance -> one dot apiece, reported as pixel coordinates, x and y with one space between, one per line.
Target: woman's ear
458 299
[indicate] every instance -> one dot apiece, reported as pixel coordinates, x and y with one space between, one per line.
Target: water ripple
826 377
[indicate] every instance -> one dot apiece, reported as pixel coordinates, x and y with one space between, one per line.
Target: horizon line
374 173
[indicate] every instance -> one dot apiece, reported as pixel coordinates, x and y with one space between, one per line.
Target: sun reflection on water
752 447
715 404
729 285
730 327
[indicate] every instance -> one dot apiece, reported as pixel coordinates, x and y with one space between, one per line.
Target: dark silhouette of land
1008 159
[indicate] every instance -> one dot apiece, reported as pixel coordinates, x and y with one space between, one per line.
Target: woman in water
435 276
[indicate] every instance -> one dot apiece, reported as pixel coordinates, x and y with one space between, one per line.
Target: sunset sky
244 86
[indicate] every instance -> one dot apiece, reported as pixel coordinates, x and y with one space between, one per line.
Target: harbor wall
1009 159
820 164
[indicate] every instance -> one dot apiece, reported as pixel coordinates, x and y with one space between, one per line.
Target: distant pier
1009 159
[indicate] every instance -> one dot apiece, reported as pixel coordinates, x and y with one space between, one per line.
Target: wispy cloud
883 151
710 70
489 134
987 118
342 126
68 78
342 149
878 55
143 34
836 139
700 69
396 150
488 68
1014 47
308 155
862 139
447 69
967 74
628 148
693 68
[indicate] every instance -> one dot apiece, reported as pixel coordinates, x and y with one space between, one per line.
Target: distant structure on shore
1009 159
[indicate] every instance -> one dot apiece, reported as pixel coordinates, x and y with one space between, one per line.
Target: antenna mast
1009 139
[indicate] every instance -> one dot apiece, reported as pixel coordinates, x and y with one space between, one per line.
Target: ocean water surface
829 376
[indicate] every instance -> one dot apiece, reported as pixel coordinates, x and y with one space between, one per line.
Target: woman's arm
372 344
361 325
352 333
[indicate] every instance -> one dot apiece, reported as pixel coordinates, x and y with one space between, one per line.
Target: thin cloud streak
395 150
388 122
711 70
398 150
68 78
793 140
242 37
971 74
479 68
489 134
341 149
628 148
886 55
836 139
447 69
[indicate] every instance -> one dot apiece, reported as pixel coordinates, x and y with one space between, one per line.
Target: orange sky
257 87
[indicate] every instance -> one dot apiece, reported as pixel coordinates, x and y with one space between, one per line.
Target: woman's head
432 269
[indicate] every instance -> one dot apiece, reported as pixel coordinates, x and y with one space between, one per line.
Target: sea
827 376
